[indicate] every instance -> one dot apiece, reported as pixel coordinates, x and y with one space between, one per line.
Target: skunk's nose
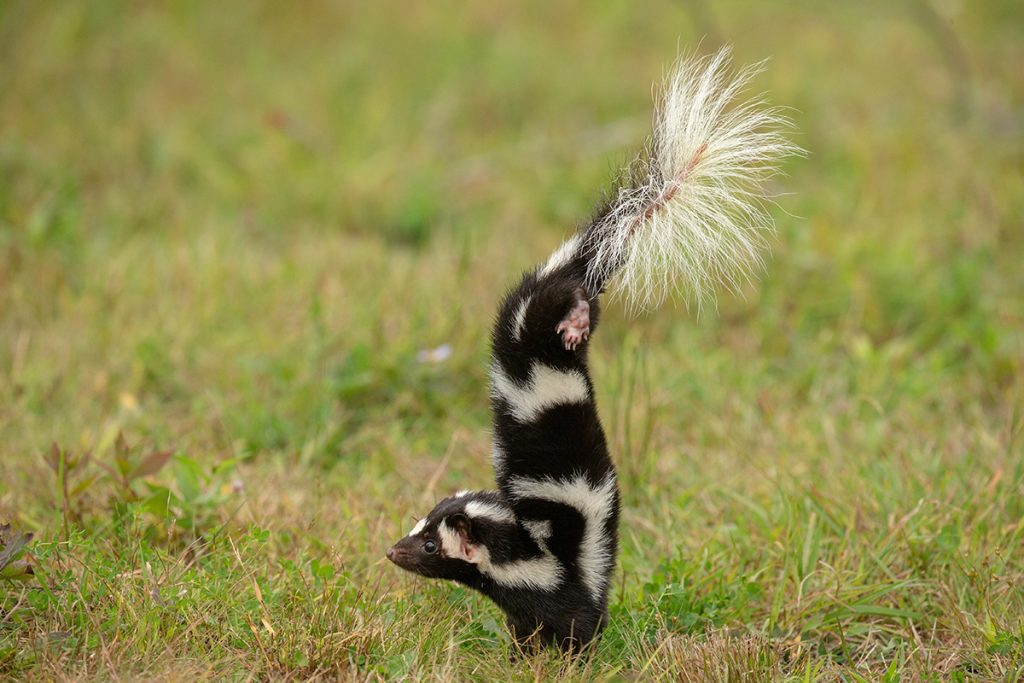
391 554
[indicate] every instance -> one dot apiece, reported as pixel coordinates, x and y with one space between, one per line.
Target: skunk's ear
459 522
466 547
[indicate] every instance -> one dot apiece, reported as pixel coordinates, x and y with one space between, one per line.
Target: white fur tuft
692 216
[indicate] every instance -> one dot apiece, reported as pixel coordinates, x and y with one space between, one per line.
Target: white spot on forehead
561 256
463 492
519 318
496 513
546 388
419 527
595 503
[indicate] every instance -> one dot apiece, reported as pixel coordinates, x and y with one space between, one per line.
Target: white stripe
546 388
519 318
419 527
539 572
595 504
496 513
451 544
498 458
561 256
463 492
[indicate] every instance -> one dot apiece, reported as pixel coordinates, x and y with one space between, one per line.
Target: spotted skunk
688 216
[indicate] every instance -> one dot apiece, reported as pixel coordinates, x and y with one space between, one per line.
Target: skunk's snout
406 554
399 556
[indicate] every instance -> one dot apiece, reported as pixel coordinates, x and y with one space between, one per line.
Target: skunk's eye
430 547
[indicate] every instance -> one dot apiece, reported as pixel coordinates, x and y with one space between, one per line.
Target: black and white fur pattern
544 545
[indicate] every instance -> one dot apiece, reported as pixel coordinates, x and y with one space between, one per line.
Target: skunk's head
452 540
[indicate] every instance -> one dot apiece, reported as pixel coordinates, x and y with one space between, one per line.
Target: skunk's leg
575 326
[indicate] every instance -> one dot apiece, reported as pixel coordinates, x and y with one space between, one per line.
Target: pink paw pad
575 326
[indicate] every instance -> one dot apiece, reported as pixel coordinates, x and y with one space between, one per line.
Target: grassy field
228 230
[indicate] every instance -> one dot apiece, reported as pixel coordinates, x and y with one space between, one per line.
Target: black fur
564 442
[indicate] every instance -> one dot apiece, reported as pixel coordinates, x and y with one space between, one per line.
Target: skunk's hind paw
575 326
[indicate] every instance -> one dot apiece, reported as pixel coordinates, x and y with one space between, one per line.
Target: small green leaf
187 476
321 571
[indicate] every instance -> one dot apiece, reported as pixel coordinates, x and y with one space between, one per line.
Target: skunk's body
543 546
551 458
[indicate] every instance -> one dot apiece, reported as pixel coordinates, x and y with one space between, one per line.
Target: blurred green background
227 231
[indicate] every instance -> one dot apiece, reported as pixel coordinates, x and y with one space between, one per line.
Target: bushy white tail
691 216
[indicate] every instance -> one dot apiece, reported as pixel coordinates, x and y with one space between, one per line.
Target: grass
228 230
